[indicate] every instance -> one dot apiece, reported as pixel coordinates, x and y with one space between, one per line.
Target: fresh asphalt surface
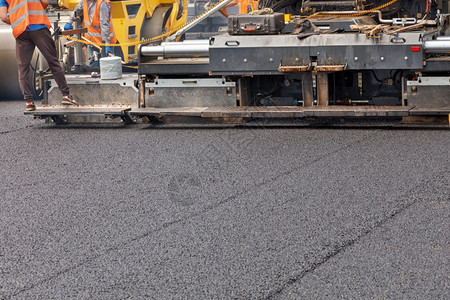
231 213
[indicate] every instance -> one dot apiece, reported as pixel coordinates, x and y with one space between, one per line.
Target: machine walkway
128 115
59 113
256 112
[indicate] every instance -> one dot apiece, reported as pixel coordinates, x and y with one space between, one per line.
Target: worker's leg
94 55
117 51
24 53
105 53
44 41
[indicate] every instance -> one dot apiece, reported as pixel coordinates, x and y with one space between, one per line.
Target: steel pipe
437 46
178 49
187 42
443 38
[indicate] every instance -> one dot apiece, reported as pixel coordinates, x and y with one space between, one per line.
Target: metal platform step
279 111
58 112
430 111
185 66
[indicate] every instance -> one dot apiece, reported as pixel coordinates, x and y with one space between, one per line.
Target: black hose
34 75
33 83
375 76
397 85
282 4
396 10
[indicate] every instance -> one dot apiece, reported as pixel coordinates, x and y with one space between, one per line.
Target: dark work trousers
25 44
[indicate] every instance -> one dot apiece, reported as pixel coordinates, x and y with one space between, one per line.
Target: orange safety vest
26 12
247 6
94 33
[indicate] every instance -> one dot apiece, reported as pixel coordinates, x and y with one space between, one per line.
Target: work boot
30 106
68 100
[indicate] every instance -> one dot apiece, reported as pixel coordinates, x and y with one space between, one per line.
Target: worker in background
30 28
245 7
97 19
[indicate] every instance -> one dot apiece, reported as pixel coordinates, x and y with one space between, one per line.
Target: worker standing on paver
97 19
30 27
245 7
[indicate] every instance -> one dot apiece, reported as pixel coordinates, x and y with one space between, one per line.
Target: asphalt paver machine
294 59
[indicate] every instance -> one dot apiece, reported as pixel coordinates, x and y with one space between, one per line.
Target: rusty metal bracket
330 68
292 69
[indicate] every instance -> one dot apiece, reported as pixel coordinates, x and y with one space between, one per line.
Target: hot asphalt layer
248 213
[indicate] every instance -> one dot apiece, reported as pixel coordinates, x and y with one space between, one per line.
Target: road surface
230 213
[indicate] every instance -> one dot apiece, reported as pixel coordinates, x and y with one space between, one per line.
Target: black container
255 24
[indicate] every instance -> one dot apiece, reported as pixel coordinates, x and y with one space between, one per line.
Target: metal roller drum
9 84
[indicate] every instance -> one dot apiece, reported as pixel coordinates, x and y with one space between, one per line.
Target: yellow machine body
132 20
130 16
69 4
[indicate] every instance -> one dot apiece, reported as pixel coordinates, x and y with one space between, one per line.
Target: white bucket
110 67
